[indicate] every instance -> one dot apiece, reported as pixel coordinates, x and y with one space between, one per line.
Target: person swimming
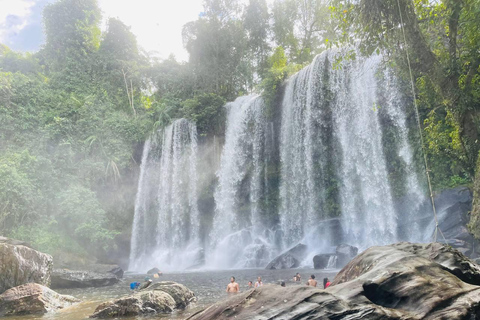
259 282
135 285
250 284
297 277
233 287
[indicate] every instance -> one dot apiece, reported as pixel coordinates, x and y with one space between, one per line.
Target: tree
216 44
72 35
119 64
256 24
302 27
442 39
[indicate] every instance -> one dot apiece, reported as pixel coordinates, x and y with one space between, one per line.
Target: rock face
400 281
32 298
14 242
289 259
63 279
453 215
20 265
162 297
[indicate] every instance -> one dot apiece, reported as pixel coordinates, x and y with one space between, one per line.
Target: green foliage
443 47
302 28
207 112
48 237
277 73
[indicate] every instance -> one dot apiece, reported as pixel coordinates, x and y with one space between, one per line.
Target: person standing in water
312 282
259 282
326 283
233 287
250 284
297 277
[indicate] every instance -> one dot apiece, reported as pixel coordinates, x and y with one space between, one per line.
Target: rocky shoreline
399 281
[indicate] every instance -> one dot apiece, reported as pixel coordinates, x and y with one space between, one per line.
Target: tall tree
301 27
216 44
257 25
73 34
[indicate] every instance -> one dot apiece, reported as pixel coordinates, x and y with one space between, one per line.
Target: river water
209 287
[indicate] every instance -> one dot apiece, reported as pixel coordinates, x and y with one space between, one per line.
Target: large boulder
322 261
162 297
400 281
140 303
65 279
289 259
20 265
32 298
180 293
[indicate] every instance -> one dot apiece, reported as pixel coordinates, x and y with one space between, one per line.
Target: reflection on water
209 286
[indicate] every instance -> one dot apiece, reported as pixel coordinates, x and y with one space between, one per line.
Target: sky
156 23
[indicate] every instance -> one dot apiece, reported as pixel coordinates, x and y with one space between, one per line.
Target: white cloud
14 16
157 24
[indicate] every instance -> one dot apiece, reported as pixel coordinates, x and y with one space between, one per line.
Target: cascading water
331 148
166 222
239 238
332 262
330 163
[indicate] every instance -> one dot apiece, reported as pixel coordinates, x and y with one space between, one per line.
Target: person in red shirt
326 283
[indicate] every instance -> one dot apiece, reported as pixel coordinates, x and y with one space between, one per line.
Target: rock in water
399 281
153 271
20 265
64 279
162 297
320 261
180 293
289 259
32 298
106 268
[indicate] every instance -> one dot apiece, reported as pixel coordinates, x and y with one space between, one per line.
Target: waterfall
332 152
332 262
329 162
239 236
166 223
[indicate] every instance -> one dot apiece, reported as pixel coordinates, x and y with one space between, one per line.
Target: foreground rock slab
32 298
65 279
400 281
20 265
161 297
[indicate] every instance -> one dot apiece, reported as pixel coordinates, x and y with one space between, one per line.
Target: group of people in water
234 287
